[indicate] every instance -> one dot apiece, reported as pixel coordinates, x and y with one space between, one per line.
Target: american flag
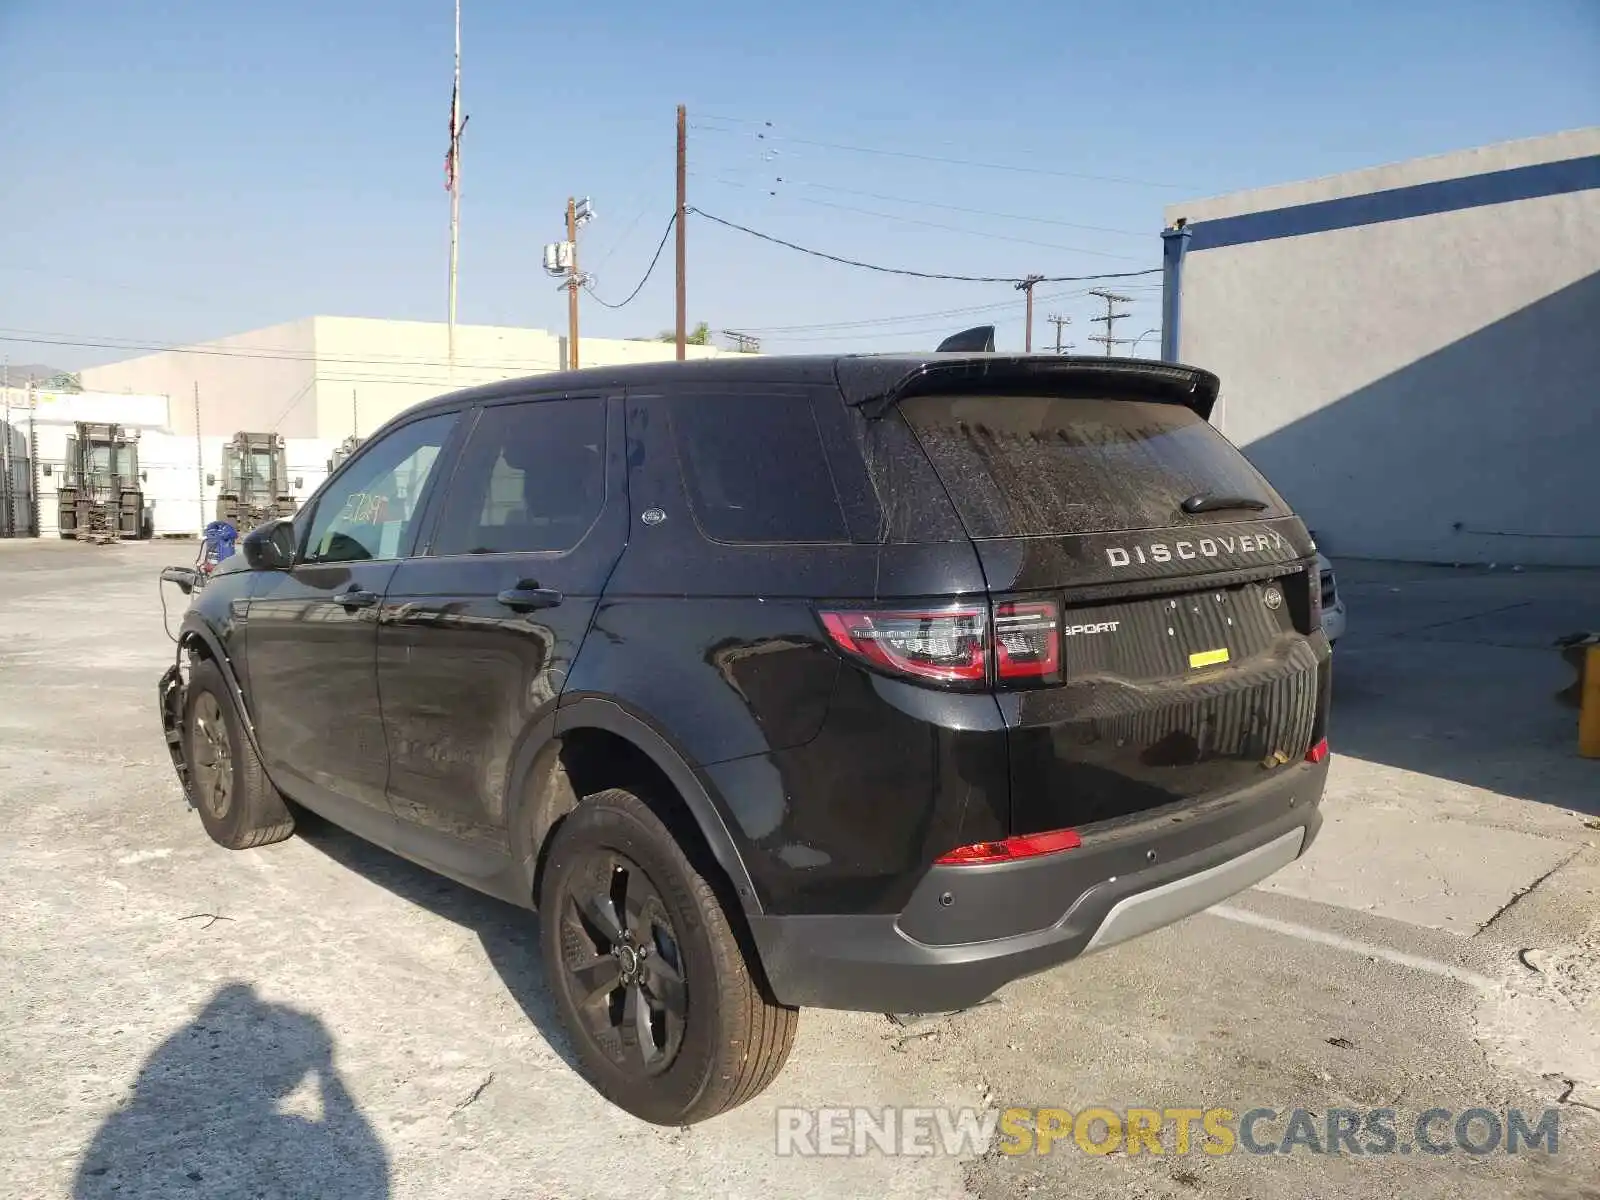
457 124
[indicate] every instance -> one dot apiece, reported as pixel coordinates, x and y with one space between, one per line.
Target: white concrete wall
258 381
1420 388
325 377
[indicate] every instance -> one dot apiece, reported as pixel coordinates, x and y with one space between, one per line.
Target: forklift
99 498
255 482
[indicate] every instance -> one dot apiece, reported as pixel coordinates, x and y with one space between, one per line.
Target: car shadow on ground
1454 674
242 1101
510 935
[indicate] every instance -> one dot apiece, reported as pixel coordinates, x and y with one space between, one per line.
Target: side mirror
270 547
47 468
211 480
187 578
299 483
145 476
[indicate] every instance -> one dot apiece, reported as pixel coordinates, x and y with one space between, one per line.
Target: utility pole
354 429
1110 319
572 284
1058 321
199 459
453 172
8 526
1027 286
561 261
33 462
682 221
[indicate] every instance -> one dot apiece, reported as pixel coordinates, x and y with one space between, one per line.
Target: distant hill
21 373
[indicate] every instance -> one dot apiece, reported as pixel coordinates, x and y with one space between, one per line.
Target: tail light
1027 845
1027 640
954 644
948 645
1318 752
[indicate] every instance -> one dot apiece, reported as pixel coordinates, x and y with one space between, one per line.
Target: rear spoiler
875 385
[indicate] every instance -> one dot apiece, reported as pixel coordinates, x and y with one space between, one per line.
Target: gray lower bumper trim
1144 911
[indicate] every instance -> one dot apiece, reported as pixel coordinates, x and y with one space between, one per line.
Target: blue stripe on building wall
1396 204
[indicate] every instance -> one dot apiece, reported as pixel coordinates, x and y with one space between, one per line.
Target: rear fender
544 794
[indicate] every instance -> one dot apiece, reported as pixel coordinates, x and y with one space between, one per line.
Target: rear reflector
945 644
1318 752
1028 845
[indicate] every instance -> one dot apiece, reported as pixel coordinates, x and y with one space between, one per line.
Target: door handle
528 595
356 597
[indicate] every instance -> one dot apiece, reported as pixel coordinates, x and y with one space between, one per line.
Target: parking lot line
1399 957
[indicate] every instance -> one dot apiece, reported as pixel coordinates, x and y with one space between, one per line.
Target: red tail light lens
1318 752
947 645
1027 640
954 644
1028 845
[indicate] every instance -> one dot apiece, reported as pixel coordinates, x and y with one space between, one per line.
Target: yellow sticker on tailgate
1208 658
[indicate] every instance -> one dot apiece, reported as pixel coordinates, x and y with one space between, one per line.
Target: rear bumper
968 931
1333 621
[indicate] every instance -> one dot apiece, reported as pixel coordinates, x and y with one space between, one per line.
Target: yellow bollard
1589 706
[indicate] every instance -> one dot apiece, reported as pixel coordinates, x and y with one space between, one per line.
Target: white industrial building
328 377
314 381
179 471
1411 352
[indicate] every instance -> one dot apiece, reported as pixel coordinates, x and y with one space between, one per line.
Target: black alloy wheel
624 963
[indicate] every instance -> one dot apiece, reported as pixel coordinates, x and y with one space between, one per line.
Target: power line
988 237
934 158
866 266
905 317
269 354
960 208
654 259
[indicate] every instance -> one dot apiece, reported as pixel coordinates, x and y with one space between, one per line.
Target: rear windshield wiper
1212 502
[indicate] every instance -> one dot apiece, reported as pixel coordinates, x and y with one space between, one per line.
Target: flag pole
454 167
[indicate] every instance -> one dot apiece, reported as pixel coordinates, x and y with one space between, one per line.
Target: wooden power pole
572 283
682 221
1027 286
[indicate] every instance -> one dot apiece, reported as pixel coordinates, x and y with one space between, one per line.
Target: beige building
326 377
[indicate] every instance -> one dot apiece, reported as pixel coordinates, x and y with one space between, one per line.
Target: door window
532 479
369 511
756 469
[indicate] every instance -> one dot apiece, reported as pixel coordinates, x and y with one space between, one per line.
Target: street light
1134 348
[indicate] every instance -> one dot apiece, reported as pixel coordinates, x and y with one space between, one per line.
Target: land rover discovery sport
868 682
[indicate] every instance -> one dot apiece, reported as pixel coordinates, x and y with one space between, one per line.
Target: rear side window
756 469
1036 466
532 479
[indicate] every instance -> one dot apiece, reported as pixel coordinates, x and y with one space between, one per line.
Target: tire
727 1042
238 805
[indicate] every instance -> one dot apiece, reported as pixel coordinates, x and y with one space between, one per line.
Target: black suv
868 682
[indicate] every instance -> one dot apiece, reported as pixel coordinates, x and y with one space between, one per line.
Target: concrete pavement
318 1018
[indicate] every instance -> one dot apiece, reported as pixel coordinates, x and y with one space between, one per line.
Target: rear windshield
1033 466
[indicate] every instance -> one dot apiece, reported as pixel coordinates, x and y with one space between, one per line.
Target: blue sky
182 170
